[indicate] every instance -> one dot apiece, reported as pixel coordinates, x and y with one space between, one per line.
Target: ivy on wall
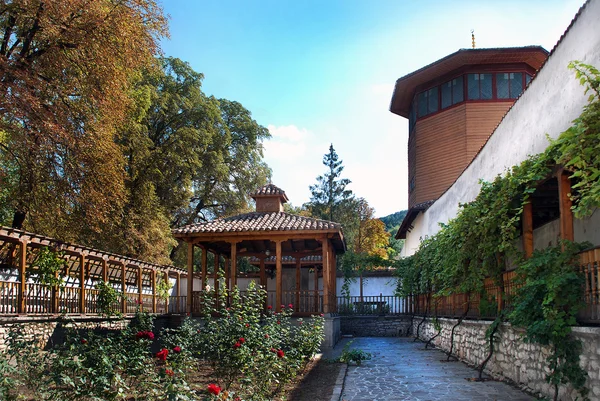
479 241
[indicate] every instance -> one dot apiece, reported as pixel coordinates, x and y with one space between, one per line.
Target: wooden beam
326 275
104 270
527 222
178 292
333 279
190 277
227 275
565 204
278 277
263 274
22 290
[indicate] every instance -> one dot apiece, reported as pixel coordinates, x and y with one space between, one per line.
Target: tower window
509 85
479 86
452 92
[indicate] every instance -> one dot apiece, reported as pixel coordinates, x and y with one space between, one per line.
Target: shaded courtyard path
401 369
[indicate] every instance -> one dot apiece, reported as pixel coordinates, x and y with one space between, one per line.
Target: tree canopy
65 75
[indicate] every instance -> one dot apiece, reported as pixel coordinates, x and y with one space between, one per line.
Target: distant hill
392 222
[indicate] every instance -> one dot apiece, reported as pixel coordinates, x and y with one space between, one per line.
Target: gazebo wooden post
527 222
326 275
565 204
153 290
22 289
204 262
263 280
216 273
123 289
233 264
298 279
190 277
227 275
278 276
316 279
140 278
333 281
81 283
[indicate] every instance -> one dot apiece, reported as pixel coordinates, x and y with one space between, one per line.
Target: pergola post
140 277
565 204
326 275
227 275
153 291
178 292
81 283
527 221
204 262
124 289
22 291
278 276
166 278
104 263
298 279
190 277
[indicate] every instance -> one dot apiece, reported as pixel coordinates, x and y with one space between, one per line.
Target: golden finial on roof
473 38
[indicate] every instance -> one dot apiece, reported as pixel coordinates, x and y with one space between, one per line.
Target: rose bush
250 355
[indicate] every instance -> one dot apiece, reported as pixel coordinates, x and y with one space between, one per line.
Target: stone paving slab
401 369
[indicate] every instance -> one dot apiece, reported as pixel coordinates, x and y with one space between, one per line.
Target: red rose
266 336
242 340
290 306
280 353
237 345
214 389
321 315
177 349
282 306
300 322
169 372
278 322
269 307
150 335
247 325
162 354
83 341
145 334
273 350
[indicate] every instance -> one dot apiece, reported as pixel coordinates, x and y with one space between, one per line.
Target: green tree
329 197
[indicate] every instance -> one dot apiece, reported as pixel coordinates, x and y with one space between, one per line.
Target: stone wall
51 330
514 360
375 326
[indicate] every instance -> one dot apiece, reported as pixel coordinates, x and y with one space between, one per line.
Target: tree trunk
464 315
18 219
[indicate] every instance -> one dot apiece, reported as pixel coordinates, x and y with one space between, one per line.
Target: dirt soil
316 384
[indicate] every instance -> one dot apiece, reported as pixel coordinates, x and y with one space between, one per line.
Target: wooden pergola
267 235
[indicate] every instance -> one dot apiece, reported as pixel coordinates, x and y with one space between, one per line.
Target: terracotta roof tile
257 221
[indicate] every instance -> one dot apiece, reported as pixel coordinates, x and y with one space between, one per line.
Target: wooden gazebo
269 235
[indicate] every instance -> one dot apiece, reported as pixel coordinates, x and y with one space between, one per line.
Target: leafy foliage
108 299
546 305
353 355
50 267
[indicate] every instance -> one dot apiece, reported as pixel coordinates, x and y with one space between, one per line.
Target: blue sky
321 72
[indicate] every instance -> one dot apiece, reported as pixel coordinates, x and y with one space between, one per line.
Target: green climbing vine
163 289
481 241
108 299
49 267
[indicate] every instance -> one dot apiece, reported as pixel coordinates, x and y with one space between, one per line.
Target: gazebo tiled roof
257 221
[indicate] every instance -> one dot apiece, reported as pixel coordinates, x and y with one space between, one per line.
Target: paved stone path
401 370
